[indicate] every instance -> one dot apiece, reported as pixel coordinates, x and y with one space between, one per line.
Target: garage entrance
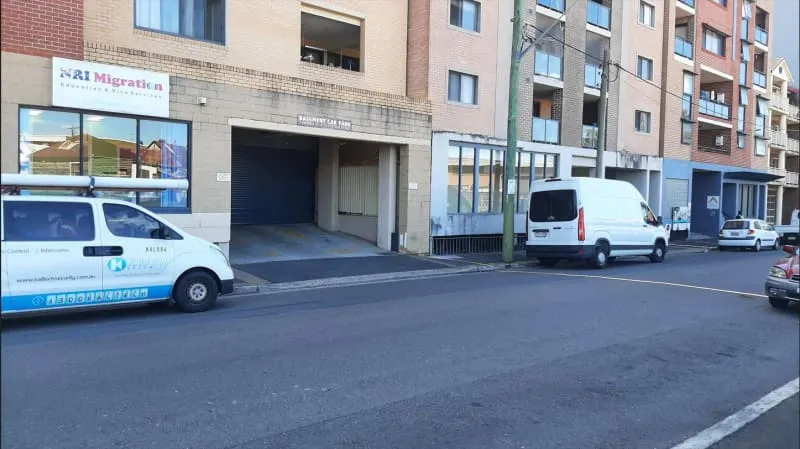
301 197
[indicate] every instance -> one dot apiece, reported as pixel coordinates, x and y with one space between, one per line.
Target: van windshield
553 205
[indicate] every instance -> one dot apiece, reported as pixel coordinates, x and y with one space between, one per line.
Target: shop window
330 42
498 189
84 143
523 181
195 19
484 180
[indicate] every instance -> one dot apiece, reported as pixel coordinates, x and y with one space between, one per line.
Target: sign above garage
324 122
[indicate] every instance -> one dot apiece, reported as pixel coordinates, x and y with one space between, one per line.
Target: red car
783 282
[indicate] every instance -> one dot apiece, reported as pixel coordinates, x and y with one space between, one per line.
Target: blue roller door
272 186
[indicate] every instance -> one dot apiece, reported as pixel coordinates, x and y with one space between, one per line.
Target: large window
47 221
330 42
462 88
465 14
714 42
81 143
479 173
196 19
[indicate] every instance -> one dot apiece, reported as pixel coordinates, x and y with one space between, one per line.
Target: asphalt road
524 359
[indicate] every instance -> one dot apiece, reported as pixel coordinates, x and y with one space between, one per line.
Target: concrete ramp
272 243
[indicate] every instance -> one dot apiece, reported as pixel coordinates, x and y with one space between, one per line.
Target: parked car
747 233
783 282
790 234
591 219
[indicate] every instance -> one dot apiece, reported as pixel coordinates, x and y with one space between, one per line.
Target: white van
591 219
61 252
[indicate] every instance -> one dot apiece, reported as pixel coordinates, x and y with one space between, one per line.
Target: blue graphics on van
116 264
84 298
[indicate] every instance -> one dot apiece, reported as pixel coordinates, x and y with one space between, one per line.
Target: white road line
642 281
739 419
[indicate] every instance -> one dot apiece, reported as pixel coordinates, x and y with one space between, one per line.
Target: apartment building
784 143
714 112
287 117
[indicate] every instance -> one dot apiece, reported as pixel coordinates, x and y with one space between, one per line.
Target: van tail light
581 226
751 231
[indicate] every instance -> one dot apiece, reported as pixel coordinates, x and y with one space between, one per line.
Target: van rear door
553 217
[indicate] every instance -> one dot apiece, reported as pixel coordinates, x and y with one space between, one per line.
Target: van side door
138 265
47 263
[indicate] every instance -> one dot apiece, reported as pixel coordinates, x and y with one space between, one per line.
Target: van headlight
776 272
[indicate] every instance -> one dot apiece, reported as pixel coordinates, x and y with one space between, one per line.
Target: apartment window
642 120
688 93
721 2
195 19
741 140
744 96
686 132
761 147
329 42
106 145
462 88
742 73
714 42
647 14
465 14
740 119
644 68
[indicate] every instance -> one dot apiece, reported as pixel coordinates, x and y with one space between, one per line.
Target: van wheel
548 263
779 303
757 246
657 256
196 291
600 260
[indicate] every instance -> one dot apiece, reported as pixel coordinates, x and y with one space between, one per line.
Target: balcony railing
557 5
591 76
792 146
547 65
689 3
589 137
598 15
684 48
715 109
778 139
759 79
782 103
792 178
546 131
761 35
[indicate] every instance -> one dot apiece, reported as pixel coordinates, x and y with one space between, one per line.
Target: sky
786 29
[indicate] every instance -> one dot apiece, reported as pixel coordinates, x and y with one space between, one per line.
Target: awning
752 176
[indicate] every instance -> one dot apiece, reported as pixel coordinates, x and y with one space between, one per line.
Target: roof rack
13 184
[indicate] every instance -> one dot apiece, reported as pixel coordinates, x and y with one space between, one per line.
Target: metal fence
472 244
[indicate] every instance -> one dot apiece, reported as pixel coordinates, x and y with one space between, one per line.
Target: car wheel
757 246
547 262
657 256
600 259
779 303
196 291
776 245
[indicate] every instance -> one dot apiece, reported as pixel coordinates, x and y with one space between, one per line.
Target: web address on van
56 278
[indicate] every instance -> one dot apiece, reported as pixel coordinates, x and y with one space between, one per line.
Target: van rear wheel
600 259
548 262
196 291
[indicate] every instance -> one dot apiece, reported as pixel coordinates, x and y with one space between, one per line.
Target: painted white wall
387 188
328 185
360 226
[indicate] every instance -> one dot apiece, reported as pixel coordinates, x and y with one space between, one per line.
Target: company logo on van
117 264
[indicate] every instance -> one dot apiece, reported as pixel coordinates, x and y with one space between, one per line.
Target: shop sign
111 88
324 122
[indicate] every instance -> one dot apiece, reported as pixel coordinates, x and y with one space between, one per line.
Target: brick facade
42 27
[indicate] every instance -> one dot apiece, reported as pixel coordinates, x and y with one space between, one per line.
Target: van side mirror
660 220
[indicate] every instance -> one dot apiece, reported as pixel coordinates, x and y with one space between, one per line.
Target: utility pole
602 112
511 150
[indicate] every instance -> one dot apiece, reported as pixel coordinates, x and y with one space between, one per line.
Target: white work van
591 219
64 252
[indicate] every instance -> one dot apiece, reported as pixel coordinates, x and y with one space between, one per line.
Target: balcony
761 35
778 139
714 109
547 65
792 146
589 136
592 76
684 48
598 15
791 178
782 104
546 131
555 5
760 79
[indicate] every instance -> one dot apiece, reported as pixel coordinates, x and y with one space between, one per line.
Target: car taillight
751 231
581 226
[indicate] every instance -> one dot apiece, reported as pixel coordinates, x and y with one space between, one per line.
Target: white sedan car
749 233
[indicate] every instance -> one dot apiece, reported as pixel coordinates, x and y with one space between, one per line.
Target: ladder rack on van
13 183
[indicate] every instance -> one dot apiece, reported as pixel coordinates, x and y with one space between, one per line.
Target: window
740 140
721 2
647 14
523 181
484 180
747 200
47 221
688 93
196 19
496 206
713 42
743 96
648 216
743 73
51 143
330 42
465 199
686 132
465 14
462 88
745 52
453 179
553 205
740 119
538 166
125 221
644 68
642 121
761 147
550 166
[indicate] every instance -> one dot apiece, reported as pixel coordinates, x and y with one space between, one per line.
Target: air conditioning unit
720 140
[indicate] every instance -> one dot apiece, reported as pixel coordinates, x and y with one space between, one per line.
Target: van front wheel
196 291
657 256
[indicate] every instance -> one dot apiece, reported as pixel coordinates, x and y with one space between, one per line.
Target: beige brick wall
264 35
414 205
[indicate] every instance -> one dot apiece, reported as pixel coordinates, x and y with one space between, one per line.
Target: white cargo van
591 219
61 252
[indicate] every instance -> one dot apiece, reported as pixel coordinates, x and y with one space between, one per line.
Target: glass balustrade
545 130
684 48
547 65
598 15
714 109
